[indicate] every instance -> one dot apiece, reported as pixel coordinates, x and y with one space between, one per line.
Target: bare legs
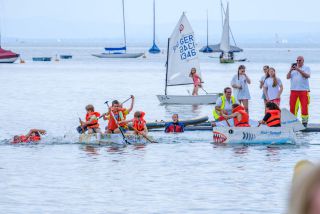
245 104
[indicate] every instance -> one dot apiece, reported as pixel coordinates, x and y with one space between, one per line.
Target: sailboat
207 49
154 49
119 52
7 56
225 49
182 55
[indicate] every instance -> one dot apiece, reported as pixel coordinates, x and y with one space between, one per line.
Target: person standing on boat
224 103
196 81
240 85
299 75
262 80
272 87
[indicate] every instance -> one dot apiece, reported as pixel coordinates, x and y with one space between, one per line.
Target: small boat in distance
225 49
65 56
154 49
182 55
41 59
7 56
119 52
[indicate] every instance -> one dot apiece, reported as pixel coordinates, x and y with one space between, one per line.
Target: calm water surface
182 174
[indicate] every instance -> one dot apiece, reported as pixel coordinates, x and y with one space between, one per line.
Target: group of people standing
272 89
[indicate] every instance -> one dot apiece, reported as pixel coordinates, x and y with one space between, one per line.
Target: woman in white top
262 80
240 85
273 87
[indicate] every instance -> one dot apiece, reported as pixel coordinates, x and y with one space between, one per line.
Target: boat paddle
204 90
121 131
148 139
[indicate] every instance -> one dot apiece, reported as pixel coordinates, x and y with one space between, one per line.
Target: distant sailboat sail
225 38
182 55
154 49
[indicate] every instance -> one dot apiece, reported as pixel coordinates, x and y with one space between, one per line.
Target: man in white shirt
299 75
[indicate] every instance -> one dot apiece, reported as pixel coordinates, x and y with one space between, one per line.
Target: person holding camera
299 75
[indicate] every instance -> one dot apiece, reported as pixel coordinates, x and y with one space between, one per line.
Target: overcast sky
102 18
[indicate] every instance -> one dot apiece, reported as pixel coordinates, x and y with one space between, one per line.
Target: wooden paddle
112 115
148 139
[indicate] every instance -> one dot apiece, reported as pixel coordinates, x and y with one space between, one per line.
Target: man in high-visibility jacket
224 103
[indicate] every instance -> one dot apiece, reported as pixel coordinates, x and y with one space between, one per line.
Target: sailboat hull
188 100
9 59
223 60
118 55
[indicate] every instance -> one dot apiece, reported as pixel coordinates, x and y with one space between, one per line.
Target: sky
80 19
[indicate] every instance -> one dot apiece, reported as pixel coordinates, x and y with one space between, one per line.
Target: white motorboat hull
118 55
111 139
9 60
253 135
188 100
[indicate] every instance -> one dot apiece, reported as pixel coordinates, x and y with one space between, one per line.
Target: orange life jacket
139 124
119 115
275 119
244 122
24 139
94 123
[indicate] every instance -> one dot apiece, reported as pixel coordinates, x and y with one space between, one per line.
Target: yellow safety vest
216 115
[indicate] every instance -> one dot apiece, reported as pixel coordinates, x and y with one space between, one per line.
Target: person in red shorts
299 75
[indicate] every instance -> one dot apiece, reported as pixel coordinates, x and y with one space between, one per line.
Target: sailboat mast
207 30
124 26
154 21
167 66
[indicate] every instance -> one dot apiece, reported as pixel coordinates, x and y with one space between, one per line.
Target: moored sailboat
154 49
119 52
181 57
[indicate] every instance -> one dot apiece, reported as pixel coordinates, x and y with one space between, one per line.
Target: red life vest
244 122
275 119
119 115
174 127
94 123
139 124
24 139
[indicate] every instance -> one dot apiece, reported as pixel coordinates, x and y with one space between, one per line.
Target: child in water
34 135
196 81
175 126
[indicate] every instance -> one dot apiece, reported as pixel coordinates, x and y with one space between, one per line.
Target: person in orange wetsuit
272 117
239 115
34 135
118 114
92 120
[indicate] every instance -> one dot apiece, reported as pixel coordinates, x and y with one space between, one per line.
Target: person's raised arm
247 78
289 73
132 104
303 73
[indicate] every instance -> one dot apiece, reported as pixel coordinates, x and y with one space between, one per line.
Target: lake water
181 174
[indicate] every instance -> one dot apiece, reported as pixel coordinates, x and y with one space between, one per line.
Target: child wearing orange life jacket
119 114
239 115
138 123
92 120
34 135
272 117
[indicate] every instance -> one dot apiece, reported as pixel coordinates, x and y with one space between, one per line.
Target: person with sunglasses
299 75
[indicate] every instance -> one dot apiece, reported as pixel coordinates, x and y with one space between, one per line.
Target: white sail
182 54
225 38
